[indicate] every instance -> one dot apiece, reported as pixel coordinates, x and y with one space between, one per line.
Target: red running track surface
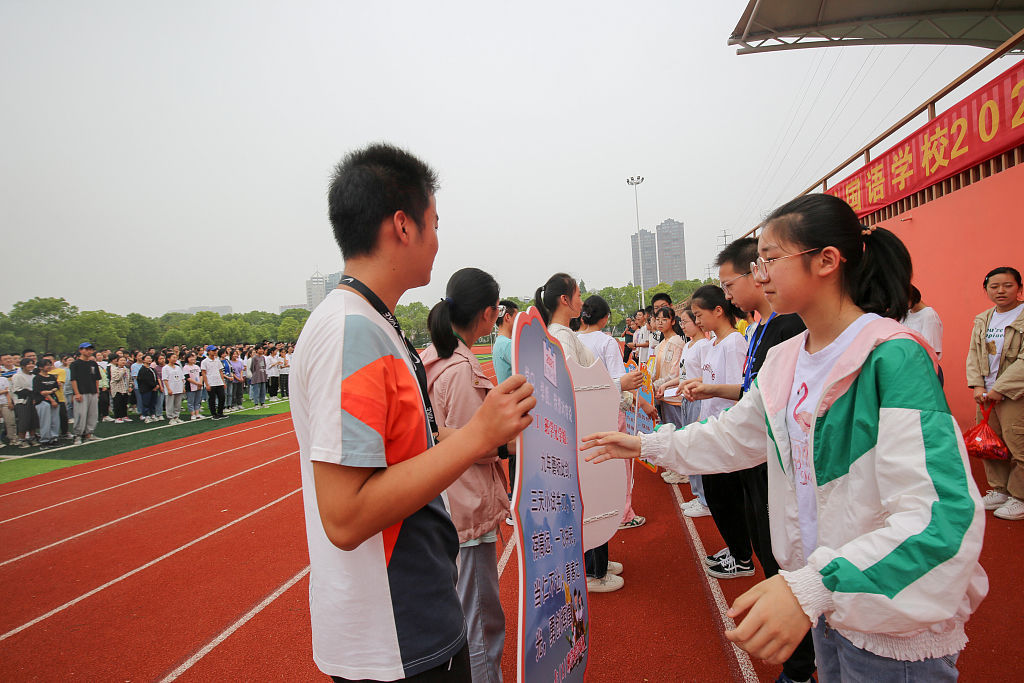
187 560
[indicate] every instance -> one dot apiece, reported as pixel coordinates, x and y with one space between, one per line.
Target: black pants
121 405
754 482
272 384
216 401
724 493
63 410
456 671
284 385
104 403
596 561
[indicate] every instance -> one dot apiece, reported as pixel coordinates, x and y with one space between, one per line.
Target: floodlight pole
634 181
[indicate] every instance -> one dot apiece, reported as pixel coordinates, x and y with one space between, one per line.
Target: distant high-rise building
288 307
316 289
318 285
671 251
644 243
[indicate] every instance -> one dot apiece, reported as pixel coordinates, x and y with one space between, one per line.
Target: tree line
54 324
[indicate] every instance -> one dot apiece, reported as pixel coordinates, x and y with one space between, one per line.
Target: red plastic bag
982 441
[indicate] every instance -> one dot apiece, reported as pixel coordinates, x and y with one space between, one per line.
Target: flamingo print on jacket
802 418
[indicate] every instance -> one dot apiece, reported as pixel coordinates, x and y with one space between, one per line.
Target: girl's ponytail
439 323
470 291
546 297
881 283
710 297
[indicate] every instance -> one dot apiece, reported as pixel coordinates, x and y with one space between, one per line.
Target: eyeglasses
759 268
728 283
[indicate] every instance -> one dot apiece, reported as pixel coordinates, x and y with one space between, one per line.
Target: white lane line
226 633
169 469
135 571
507 554
144 457
742 658
139 512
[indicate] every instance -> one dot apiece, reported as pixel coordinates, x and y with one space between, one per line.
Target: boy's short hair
371 184
739 254
662 296
506 307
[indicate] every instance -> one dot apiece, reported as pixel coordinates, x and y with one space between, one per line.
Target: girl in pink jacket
478 499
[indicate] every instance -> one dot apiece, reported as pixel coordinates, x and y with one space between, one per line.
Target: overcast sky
161 156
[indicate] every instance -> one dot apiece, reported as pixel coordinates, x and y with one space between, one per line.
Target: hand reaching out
611 445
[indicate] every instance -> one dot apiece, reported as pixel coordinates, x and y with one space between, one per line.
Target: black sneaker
710 560
729 568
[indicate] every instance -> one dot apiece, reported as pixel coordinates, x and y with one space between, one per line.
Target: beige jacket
1010 378
458 386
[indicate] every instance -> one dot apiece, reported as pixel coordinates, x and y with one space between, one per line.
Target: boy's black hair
371 184
739 254
662 296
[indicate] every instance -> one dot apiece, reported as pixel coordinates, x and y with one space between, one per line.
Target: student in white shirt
174 389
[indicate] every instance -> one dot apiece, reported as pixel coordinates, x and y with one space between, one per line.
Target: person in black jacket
148 386
44 390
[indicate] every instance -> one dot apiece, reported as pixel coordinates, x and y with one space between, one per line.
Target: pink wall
954 241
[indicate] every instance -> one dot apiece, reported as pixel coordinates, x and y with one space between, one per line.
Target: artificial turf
18 463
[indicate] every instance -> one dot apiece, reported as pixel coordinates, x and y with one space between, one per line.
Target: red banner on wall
979 127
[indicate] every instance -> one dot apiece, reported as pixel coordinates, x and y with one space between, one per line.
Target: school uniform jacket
900 521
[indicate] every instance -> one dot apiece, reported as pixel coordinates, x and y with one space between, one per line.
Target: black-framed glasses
759 268
728 283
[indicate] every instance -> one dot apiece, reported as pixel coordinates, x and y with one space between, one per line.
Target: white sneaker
610 582
993 500
614 568
108 419
698 510
674 478
77 441
1012 510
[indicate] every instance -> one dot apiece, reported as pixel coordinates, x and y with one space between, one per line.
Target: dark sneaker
729 568
710 560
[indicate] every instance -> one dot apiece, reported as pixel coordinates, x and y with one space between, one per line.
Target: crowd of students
49 399
871 549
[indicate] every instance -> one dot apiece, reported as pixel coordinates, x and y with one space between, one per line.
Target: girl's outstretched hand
611 445
775 623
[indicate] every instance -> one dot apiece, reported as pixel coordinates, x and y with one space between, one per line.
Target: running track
187 560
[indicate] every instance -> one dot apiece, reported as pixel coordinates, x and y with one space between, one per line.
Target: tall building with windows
644 244
671 251
318 285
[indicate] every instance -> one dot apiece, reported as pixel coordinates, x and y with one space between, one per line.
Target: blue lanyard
748 366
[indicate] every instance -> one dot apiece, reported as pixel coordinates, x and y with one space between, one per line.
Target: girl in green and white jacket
875 520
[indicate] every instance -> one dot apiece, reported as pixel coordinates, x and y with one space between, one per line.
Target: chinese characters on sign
986 124
553 613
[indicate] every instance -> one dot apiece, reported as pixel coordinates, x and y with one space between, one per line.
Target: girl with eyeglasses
875 520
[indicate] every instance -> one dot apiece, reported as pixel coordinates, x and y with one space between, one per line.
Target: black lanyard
417 364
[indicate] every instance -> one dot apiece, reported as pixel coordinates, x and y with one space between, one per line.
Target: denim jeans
49 429
149 403
258 393
839 660
138 397
195 402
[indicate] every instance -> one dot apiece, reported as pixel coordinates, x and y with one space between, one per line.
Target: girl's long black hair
876 267
546 297
710 297
469 292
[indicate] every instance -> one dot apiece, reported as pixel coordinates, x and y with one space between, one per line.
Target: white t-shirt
5 385
994 341
193 371
389 608
213 368
286 365
642 336
722 364
605 348
693 358
808 384
174 379
273 366
927 322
